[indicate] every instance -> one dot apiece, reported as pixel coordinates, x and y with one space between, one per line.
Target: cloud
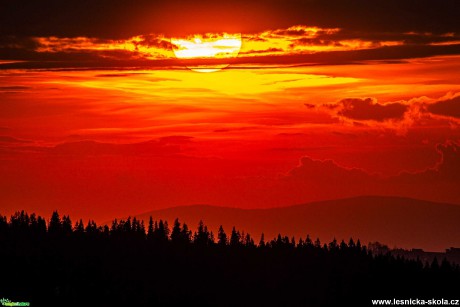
315 42
299 44
449 106
327 179
327 171
370 109
151 40
143 46
357 52
114 19
271 27
262 51
300 39
296 39
163 146
400 115
364 109
14 88
12 140
446 169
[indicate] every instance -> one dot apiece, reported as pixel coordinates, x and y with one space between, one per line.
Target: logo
7 302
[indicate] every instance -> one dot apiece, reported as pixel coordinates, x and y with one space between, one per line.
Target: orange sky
99 118
138 140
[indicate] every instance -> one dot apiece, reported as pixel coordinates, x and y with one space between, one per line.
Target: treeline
157 232
128 263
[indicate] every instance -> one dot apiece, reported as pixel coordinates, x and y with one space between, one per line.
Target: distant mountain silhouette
395 221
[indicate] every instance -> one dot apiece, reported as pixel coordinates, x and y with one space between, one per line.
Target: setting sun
209 46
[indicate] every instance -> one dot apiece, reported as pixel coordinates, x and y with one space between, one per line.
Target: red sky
99 119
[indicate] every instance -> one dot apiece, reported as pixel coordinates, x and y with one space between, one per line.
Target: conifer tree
235 237
262 240
186 233
351 243
55 225
66 224
150 229
176 233
343 245
317 243
79 228
221 237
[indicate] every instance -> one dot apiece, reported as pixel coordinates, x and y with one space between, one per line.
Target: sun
208 52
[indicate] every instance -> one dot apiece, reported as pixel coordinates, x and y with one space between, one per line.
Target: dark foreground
125 264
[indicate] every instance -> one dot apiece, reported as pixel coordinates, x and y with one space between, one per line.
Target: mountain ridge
392 220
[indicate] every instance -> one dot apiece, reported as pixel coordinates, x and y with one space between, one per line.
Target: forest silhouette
129 263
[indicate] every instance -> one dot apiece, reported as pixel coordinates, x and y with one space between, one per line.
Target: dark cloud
369 109
325 105
12 140
416 23
323 179
316 41
175 139
84 59
155 41
362 109
449 165
402 114
165 146
120 58
112 75
85 148
408 38
254 38
440 179
118 18
447 169
301 31
449 107
269 50
25 52
387 53
14 89
327 171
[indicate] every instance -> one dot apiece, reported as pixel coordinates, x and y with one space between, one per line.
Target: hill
395 221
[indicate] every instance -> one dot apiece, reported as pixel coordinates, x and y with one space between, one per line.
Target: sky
109 108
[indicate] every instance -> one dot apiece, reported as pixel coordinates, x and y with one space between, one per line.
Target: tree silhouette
176 232
262 240
358 244
202 236
3 225
55 225
150 229
79 228
317 243
248 241
66 225
333 245
351 243
186 234
221 237
114 266
434 264
161 232
235 238
343 245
